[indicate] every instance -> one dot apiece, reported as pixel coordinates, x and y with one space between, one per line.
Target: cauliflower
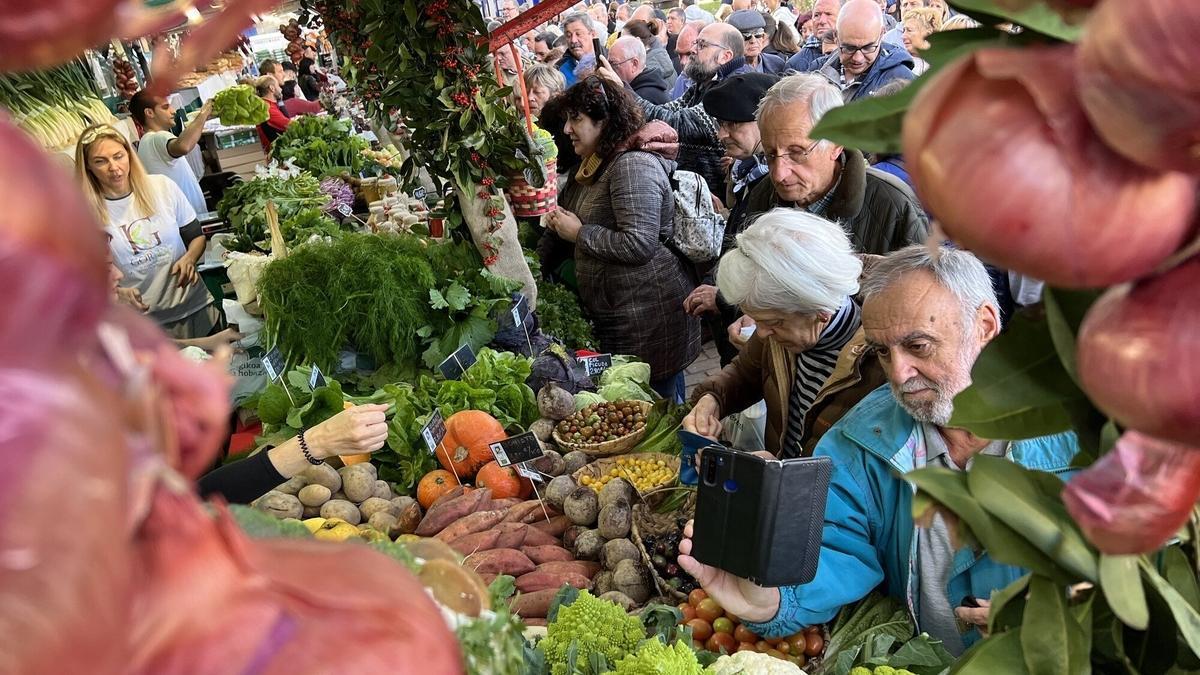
753 663
655 658
595 625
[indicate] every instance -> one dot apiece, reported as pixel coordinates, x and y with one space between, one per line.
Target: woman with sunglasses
154 237
618 209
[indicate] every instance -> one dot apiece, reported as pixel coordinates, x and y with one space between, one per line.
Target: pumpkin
433 485
504 481
465 449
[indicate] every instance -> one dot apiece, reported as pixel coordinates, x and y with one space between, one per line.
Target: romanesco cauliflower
655 658
752 663
597 626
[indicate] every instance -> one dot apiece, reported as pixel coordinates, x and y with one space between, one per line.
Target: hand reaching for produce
185 269
735 331
702 300
704 419
975 616
133 298
565 224
212 343
738 596
359 430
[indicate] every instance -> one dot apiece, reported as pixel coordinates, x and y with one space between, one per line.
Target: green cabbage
585 398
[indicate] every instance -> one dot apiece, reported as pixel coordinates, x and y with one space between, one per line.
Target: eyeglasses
758 35
701 45
866 50
793 156
614 65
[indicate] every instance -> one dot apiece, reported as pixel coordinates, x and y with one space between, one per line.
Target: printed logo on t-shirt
140 236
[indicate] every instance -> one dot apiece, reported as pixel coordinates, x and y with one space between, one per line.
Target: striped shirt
813 368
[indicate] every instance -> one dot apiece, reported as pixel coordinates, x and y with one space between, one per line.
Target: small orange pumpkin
504 481
433 485
465 449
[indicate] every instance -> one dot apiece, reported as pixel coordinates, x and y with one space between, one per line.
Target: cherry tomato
774 641
783 647
689 612
776 653
721 643
696 596
732 617
762 645
812 629
701 629
709 610
746 647
743 634
799 643
816 645
722 625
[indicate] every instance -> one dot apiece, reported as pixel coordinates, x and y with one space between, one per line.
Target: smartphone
596 50
760 519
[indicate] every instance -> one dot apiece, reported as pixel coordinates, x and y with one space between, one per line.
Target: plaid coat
631 285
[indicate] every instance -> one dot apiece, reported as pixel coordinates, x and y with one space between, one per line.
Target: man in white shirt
161 151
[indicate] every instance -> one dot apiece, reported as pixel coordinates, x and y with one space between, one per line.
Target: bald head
628 58
860 16
726 36
739 5
643 13
859 30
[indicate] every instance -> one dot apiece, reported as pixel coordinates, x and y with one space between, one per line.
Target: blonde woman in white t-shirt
154 236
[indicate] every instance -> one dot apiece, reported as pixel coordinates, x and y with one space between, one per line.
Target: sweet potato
453 493
555 526
539 516
538 580
500 561
535 537
517 513
511 535
488 578
506 503
532 605
474 522
580 567
544 554
476 541
442 515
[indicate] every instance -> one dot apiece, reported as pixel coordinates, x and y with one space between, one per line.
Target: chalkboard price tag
419 193
517 449
457 363
529 473
434 431
345 210
516 316
317 378
274 363
594 365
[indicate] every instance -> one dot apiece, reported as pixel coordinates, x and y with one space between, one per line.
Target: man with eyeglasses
753 28
685 49
863 61
879 212
719 50
628 58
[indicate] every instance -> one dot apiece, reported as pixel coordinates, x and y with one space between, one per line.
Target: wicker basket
618 446
528 201
654 495
647 523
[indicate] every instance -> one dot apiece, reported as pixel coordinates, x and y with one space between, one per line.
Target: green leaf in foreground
1122 585
1051 639
1036 16
1186 617
993 655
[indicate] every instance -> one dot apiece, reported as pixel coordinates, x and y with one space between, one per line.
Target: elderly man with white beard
927 316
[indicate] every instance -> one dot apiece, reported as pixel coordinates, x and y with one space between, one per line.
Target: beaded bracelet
307 454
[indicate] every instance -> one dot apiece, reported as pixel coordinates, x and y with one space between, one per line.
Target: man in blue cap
753 28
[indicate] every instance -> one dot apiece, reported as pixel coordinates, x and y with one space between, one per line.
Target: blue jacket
566 66
868 539
772 64
808 58
893 63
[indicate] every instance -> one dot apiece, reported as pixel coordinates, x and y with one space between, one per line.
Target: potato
615 520
588 545
617 488
314 495
358 482
602 583
550 463
631 579
340 508
323 474
382 490
280 505
619 598
292 486
374 505
617 550
576 460
385 522
558 490
408 510
311 512
582 506
340 495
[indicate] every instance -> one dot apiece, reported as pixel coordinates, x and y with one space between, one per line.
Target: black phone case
761 519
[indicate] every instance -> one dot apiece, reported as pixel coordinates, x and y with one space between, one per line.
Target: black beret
735 98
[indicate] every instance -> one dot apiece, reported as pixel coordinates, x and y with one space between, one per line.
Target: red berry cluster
461 99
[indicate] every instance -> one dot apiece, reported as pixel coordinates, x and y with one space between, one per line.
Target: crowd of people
826 301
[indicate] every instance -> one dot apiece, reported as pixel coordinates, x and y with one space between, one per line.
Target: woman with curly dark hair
617 210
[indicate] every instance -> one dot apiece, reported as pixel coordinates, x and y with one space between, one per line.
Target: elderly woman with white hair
795 274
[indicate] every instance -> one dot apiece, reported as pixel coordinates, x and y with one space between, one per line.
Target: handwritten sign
274 363
594 365
434 431
457 363
517 449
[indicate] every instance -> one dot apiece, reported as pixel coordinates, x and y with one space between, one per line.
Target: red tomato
689 612
783 647
816 644
813 629
696 596
701 629
721 643
709 610
762 645
746 647
743 634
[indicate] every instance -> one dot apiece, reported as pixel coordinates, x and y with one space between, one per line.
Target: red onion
64 554
52 255
1137 496
1005 159
1138 83
1139 354
213 601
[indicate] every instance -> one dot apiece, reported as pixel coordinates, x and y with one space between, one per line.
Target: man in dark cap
732 102
753 28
